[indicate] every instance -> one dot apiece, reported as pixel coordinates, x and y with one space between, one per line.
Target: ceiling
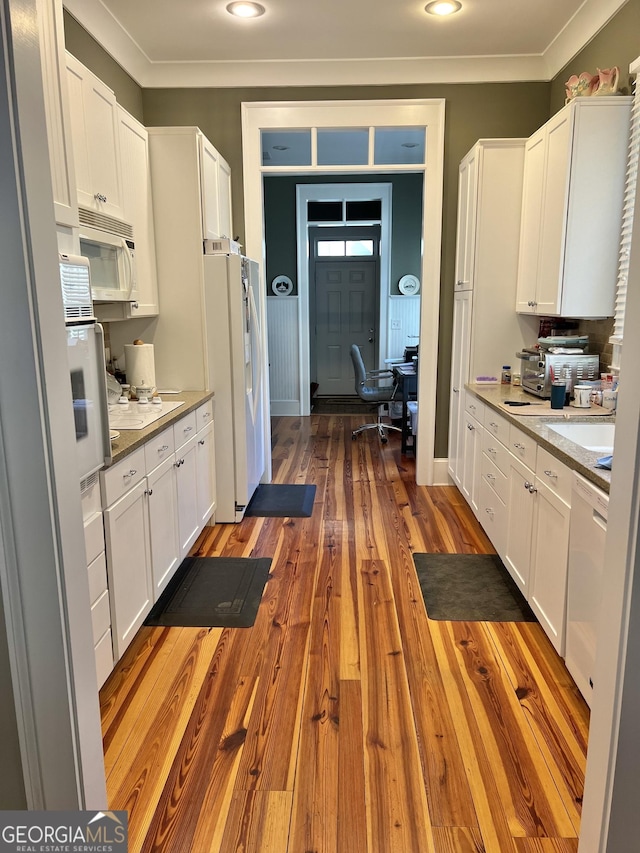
338 42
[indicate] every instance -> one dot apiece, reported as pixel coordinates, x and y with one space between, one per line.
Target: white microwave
109 246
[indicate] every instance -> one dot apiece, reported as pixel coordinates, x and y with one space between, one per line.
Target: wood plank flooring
344 720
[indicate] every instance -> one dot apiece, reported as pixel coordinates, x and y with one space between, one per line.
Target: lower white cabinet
126 525
187 487
521 502
472 468
163 523
205 472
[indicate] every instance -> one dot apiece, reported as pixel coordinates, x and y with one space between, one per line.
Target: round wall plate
282 285
409 285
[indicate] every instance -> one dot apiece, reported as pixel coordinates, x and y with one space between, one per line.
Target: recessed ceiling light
443 7
409 145
280 147
245 9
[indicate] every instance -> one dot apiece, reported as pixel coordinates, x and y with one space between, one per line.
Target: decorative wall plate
409 285
282 285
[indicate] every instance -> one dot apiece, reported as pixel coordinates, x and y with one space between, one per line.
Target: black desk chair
377 396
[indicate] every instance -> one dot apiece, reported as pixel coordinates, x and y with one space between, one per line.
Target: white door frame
331 192
428 113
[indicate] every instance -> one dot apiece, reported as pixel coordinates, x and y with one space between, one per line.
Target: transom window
345 248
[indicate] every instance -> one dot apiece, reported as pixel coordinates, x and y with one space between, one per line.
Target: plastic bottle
506 374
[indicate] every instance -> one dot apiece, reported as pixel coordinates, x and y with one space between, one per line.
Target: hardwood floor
344 720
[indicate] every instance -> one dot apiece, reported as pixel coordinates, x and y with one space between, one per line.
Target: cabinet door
128 565
465 238
549 561
206 474
56 104
94 130
530 228
472 469
459 371
521 504
224 198
187 483
209 167
554 213
163 524
138 210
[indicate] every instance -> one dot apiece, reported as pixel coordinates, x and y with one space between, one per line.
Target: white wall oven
85 352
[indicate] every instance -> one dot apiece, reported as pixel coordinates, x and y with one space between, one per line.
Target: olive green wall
280 222
87 50
473 111
617 44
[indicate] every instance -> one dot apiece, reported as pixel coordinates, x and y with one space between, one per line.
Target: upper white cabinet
466 232
138 210
572 210
56 104
215 177
96 145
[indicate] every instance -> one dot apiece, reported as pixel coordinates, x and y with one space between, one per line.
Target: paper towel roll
140 365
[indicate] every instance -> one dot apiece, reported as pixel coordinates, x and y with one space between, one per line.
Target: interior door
346 303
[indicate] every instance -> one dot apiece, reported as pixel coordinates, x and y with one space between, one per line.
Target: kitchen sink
596 437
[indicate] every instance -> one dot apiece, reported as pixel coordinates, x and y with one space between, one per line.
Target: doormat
281 500
340 406
470 588
212 592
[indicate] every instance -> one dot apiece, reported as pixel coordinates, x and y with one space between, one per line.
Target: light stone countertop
566 451
130 439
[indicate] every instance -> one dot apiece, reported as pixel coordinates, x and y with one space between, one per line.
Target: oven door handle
102 385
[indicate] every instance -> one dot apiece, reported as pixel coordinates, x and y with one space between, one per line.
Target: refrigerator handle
102 386
256 325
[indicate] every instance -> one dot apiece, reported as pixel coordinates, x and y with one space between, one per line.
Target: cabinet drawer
493 517
97 577
159 448
93 537
554 474
497 426
204 415
495 451
475 407
184 429
494 478
100 616
123 476
523 447
104 657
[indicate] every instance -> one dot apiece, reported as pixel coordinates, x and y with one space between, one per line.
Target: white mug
582 396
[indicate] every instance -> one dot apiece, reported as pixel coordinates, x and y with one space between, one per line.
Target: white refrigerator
236 362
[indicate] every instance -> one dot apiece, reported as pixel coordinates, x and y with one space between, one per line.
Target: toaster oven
539 368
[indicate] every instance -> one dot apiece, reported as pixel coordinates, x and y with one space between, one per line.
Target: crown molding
101 24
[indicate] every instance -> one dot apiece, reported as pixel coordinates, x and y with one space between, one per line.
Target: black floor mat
281 500
470 588
212 592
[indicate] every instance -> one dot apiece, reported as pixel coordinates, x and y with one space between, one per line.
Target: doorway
344 279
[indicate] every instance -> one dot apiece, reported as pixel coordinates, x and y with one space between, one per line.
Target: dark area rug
470 588
212 592
280 500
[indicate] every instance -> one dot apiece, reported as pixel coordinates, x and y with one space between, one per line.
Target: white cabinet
494 486
459 365
138 210
97 573
521 502
215 177
56 104
466 232
187 485
128 564
572 210
95 135
163 523
472 470
206 483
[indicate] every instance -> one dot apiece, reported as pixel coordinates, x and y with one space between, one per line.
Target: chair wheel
353 436
384 440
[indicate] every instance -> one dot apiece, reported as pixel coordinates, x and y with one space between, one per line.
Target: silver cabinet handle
527 485
163 449
148 492
491 477
202 441
472 408
551 474
492 450
100 197
456 390
493 424
470 426
178 462
129 473
206 415
489 511
518 446
187 429
532 489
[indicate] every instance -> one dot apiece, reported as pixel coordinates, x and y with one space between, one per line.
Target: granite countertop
130 439
573 455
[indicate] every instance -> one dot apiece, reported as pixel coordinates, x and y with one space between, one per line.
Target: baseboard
280 408
441 473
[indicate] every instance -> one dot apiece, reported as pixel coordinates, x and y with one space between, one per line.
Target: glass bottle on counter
506 374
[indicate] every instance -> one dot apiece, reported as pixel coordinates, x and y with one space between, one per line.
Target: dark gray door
346 302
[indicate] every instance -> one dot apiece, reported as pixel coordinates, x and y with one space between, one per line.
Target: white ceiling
337 42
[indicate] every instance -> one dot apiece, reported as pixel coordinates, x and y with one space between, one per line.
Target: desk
406 380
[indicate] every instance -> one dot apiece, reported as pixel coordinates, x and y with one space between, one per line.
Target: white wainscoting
284 354
404 311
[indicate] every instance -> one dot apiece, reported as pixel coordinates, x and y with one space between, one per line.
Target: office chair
377 396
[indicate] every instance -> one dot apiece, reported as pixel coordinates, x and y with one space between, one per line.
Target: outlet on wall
396 325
